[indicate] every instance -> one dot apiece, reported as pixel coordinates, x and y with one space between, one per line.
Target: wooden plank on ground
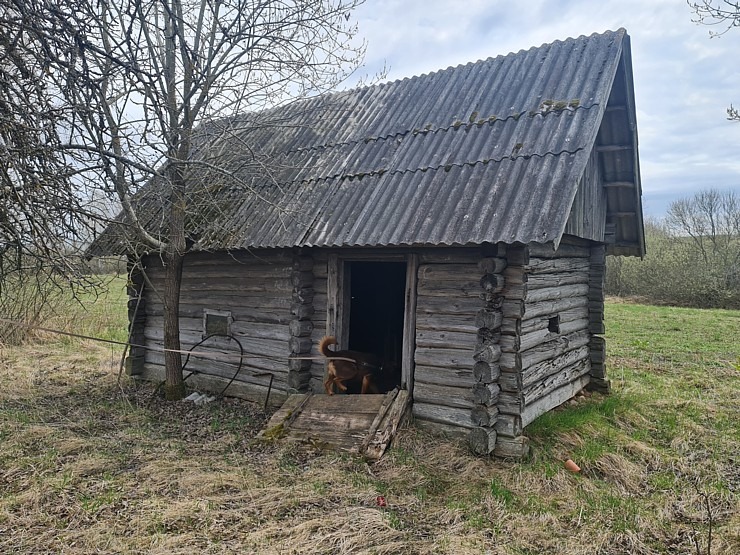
362 424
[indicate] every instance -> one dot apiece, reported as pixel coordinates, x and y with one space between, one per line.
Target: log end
482 441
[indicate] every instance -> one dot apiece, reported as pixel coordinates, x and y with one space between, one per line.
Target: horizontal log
556 265
234 299
457 417
510 381
442 339
301 328
487 352
302 295
246 374
492 283
555 293
303 263
299 345
490 319
554 399
216 384
448 272
450 256
449 306
458 377
549 384
598 370
515 275
234 271
533 324
517 255
486 372
492 300
243 314
511 326
537 250
509 425
543 370
511 448
486 394
455 324
553 348
509 402
513 308
515 291
482 415
510 362
597 357
239 328
444 358
482 441
243 284
600 385
267 258
548 308
571 326
486 336
302 311
444 395
492 265
468 289
299 381
299 366
302 279
252 346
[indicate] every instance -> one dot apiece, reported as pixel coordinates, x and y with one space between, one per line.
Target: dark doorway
377 291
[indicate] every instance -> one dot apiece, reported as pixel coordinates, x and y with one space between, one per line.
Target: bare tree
711 219
722 15
43 210
146 84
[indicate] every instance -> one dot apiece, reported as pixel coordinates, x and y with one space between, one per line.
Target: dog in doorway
346 366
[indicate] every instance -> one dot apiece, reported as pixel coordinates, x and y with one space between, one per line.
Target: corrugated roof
485 152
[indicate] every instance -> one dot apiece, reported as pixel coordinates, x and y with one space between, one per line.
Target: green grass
88 467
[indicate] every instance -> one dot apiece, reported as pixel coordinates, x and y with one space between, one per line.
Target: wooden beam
621 214
612 148
409 324
619 184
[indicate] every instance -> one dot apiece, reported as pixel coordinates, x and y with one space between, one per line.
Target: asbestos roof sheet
491 151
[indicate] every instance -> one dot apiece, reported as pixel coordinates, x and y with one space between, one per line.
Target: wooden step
363 424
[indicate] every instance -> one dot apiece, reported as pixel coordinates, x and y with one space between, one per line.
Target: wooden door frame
338 303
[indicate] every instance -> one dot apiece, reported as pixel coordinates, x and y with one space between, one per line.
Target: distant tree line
693 255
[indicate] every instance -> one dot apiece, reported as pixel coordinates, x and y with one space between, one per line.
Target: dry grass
86 467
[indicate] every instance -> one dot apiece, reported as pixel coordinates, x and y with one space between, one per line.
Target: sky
684 80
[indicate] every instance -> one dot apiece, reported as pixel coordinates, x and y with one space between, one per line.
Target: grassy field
88 465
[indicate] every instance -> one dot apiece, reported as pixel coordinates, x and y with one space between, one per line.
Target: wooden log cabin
455 224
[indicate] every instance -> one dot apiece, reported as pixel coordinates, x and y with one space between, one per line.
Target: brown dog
341 371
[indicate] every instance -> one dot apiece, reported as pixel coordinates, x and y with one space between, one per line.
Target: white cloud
684 80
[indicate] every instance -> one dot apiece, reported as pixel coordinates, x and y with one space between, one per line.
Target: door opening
377 293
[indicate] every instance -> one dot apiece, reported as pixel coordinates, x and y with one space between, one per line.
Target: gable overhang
617 149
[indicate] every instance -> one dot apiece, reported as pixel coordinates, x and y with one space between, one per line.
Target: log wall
597 345
320 271
257 289
301 327
546 334
455 339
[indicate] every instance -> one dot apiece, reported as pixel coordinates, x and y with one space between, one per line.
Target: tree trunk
174 257
174 387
